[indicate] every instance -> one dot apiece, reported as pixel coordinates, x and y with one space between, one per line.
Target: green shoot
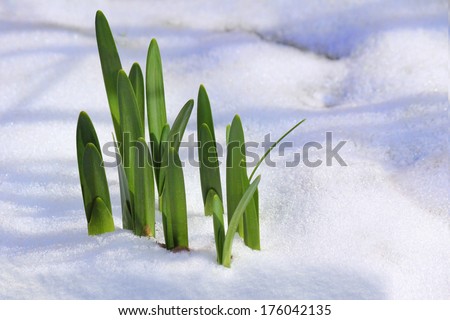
273 146
174 204
85 134
171 137
236 168
144 190
96 195
94 187
137 81
214 207
125 197
234 223
110 62
209 165
156 105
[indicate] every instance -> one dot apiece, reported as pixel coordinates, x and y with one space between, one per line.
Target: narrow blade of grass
251 218
163 165
125 198
129 123
234 223
167 224
137 81
214 207
85 134
110 62
204 114
96 185
227 133
101 218
273 146
179 125
171 137
235 168
209 164
209 171
175 201
144 196
156 105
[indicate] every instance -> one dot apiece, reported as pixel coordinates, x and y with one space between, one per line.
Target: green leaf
171 137
160 169
96 185
234 223
144 190
129 123
214 207
227 133
110 62
137 81
85 134
236 168
209 164
179 125
156 105
175 201
167 223
251 218
273 146
204 114
101 218
125 198
165 137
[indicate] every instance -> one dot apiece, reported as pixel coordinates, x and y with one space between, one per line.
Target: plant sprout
130 100
139 166
94 187
242 192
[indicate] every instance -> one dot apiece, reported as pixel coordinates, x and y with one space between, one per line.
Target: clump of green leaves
126 103
129 99
242 192
94 187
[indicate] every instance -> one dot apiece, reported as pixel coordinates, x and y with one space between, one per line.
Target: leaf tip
99 14
154 43
122 73
236 118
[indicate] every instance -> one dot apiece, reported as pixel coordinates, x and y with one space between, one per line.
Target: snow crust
374 73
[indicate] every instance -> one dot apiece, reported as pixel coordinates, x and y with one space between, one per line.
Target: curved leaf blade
101 218
137 81
175 200
162 166
144 190
95 178
251 218
214 207
125 198
236 168
156 105
234 223
209 164
179 125
85 134
273 146
204 113
110 62
129 123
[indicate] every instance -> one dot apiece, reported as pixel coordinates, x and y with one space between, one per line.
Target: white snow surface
374 73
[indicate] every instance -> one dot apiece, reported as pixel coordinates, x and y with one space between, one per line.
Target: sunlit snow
374 73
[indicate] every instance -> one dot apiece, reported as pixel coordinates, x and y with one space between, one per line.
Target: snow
374 73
